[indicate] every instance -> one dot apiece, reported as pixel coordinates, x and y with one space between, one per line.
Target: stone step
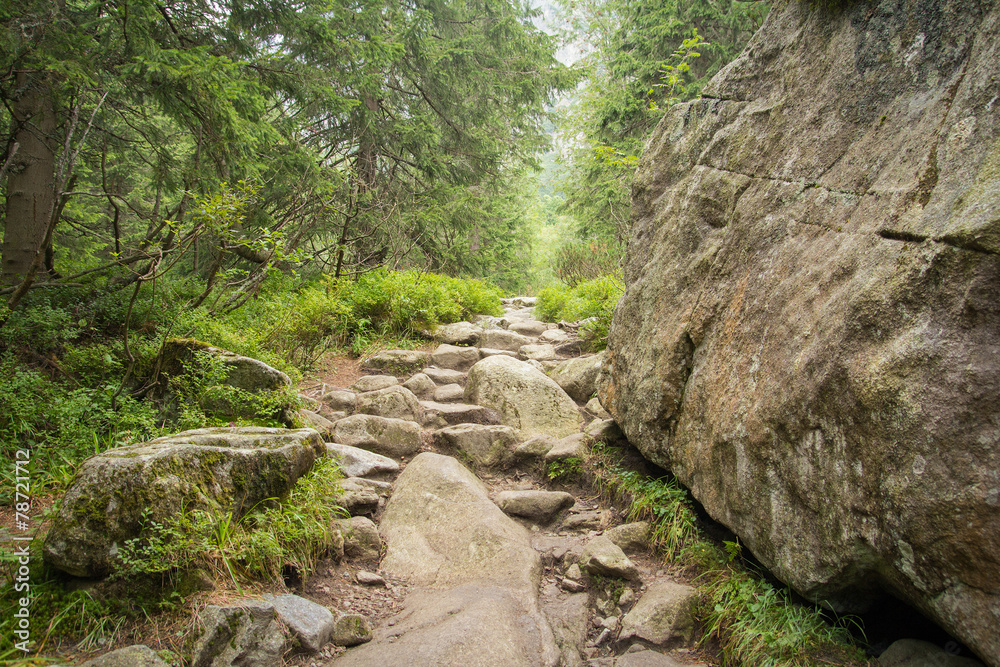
438 415
445 375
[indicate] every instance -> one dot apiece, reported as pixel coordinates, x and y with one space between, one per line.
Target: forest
297 179
254 172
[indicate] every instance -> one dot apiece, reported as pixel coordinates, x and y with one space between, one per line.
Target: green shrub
62 425
595 299
289 327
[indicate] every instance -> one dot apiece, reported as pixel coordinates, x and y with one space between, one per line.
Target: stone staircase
454 528
499 570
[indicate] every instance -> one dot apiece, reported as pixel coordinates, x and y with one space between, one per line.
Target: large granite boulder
117 493
526 399
810 334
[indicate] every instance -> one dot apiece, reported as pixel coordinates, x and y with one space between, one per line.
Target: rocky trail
456 551
482 564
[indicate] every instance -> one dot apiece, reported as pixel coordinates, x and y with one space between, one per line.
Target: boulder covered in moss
119 492
242 372
238 386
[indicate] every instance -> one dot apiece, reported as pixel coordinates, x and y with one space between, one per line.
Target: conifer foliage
224 138
646 55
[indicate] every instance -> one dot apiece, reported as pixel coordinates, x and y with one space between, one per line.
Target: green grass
293 533
753 622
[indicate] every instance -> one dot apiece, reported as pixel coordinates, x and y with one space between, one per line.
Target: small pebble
571 586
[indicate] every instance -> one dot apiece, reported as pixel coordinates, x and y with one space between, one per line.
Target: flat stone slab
455 358
439 415
528 327
312 624
357 462
374 383
492 352
501 339
554 336
459 333
537 506
449 393
538 352
445 375
573 446
396 362
534 448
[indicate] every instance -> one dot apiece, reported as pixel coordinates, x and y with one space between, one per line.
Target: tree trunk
30 183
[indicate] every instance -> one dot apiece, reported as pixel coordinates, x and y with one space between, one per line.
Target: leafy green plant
296 532
754 622
562 470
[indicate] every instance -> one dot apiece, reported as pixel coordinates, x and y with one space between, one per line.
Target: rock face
223 468
810 334
527 399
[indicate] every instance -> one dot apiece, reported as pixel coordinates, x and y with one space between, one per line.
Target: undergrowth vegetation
274 536
753 622
593 301
82 372
78 374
